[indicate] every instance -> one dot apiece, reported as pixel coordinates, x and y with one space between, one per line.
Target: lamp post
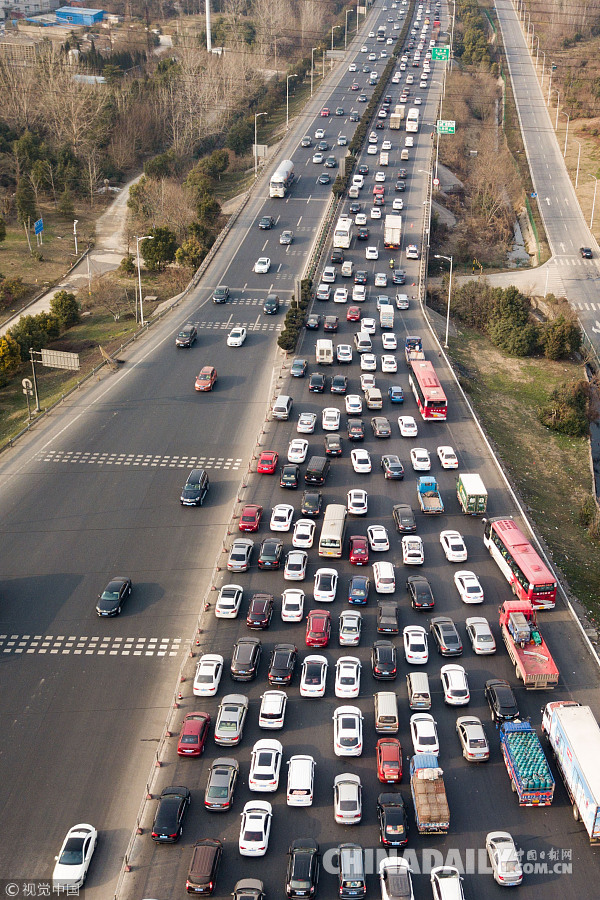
75 221
332 30
578 160
145 237
448 259
287 101
594 200
256 115
537 51
552 68
357 18
312 68
543 67
567 132
348 11
557 109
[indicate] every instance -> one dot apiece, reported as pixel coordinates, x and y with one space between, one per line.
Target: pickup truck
526 764
526 647
432 813
430 499
413 348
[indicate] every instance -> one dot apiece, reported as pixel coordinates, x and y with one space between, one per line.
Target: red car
389 760
318 628
353 314
325 112
267 462
359 550
250 517
194 732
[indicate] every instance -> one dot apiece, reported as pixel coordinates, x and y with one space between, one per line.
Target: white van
373 398
386 712
282 407
362 342
324 352
301 779
418 690
347 268
358 181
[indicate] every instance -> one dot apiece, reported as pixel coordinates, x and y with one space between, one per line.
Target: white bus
412 119
342 236
331 540
281 179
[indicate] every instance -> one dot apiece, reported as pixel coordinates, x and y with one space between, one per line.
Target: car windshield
72 854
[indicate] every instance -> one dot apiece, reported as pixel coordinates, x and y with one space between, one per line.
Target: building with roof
75 15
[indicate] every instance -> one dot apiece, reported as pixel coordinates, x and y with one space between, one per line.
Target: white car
402 301
347 799
358 502
480 635
236 337
361 460
381 279
372 150
447 458
397 204
467 585
262 265
304 534
367 381
281 517
350 627
379 541
340 295
412 251
453 545
313 676
420 460
407 426
368 362
389 341
360 219
325 587
265 765
319 134
409 141
330 419
343 353
352 67
395 879
292 605
208 675
504 858
387 145
376 211
446 883
73 861
359 293
455 685
228 601
297 450
371 252
380 176
388 363
412 550
255 828
385 579
364 49
423 732
354 404
347 677
368 325
347 731
418 101
296 562
306 423
272 709
416 649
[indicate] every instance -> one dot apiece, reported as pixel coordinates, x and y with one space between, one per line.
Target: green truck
471 494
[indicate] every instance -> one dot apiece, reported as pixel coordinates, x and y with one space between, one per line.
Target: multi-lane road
95 493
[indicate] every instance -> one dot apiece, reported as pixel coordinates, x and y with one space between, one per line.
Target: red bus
527 574
428 391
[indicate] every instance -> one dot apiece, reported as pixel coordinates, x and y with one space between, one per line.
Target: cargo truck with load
384 158
397 117
574 736
526 647
526 764
413 348
430 499
386 316
471 494
432 813
392 232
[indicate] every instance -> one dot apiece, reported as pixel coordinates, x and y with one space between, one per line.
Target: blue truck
526 764
428 494
432 813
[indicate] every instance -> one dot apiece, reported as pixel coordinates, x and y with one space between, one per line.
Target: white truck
392 232
384 158
386 316
397 117
324 352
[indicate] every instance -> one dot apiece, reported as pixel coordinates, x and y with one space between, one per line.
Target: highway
96 493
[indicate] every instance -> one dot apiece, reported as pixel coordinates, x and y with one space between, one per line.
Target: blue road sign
38 226
533 195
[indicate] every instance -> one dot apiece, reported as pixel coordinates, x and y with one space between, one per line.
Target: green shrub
568 409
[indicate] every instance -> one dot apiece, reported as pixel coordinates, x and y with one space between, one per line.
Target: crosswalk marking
139 460
250 326
100 646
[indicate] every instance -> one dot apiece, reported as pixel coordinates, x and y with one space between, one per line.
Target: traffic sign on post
446 126
440 53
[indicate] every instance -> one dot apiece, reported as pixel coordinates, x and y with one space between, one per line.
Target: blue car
358 590
396 394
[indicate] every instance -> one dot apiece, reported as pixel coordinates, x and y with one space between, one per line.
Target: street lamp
557 108
332 30
145 237
594 200
567 132
75 221
552 68
448 259
537 52
312 68
543 68
348 11
578 160
287 101
256 115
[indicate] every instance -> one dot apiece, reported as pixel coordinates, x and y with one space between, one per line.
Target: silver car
347 799
240 554
474 743
480 635
350 628
231 716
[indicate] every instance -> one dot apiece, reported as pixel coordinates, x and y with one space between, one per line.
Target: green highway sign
446 126
440 53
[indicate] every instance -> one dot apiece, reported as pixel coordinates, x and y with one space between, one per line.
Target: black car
323 146
360 277
290 476
331 323
303 869
356 430
363 169
311 503
362 98
299 367
114 595
354 207
586 252
282 664
221 294
323 178
362 233
330 162
404 518
400 186
420 593
383 661
245 659
446 637
316 383
271 550
271 305
172 806
354 116
306 141
388 97
393 825
501 700
392 467
387 618
186 336
260 610
333 444
339 384
402 173
313 321
220 785
195 489
266 222
358 590
380 124
381 427
337 255
398 276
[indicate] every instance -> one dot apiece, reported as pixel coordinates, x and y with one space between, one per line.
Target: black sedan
114 595
333 445
360 277
282 664
270 554
245 659
400 186
363 169
362 234
420 593
266 222
387 618
303 869
358 590
383 661
324 178
586 252
446 637
290 477
381 427
339 384
298 369
220 786
404 518
316 383
313 322
356 430
398 276
354 207
331 323
392 467
172 806
337 255
393 825
311 503
501 700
